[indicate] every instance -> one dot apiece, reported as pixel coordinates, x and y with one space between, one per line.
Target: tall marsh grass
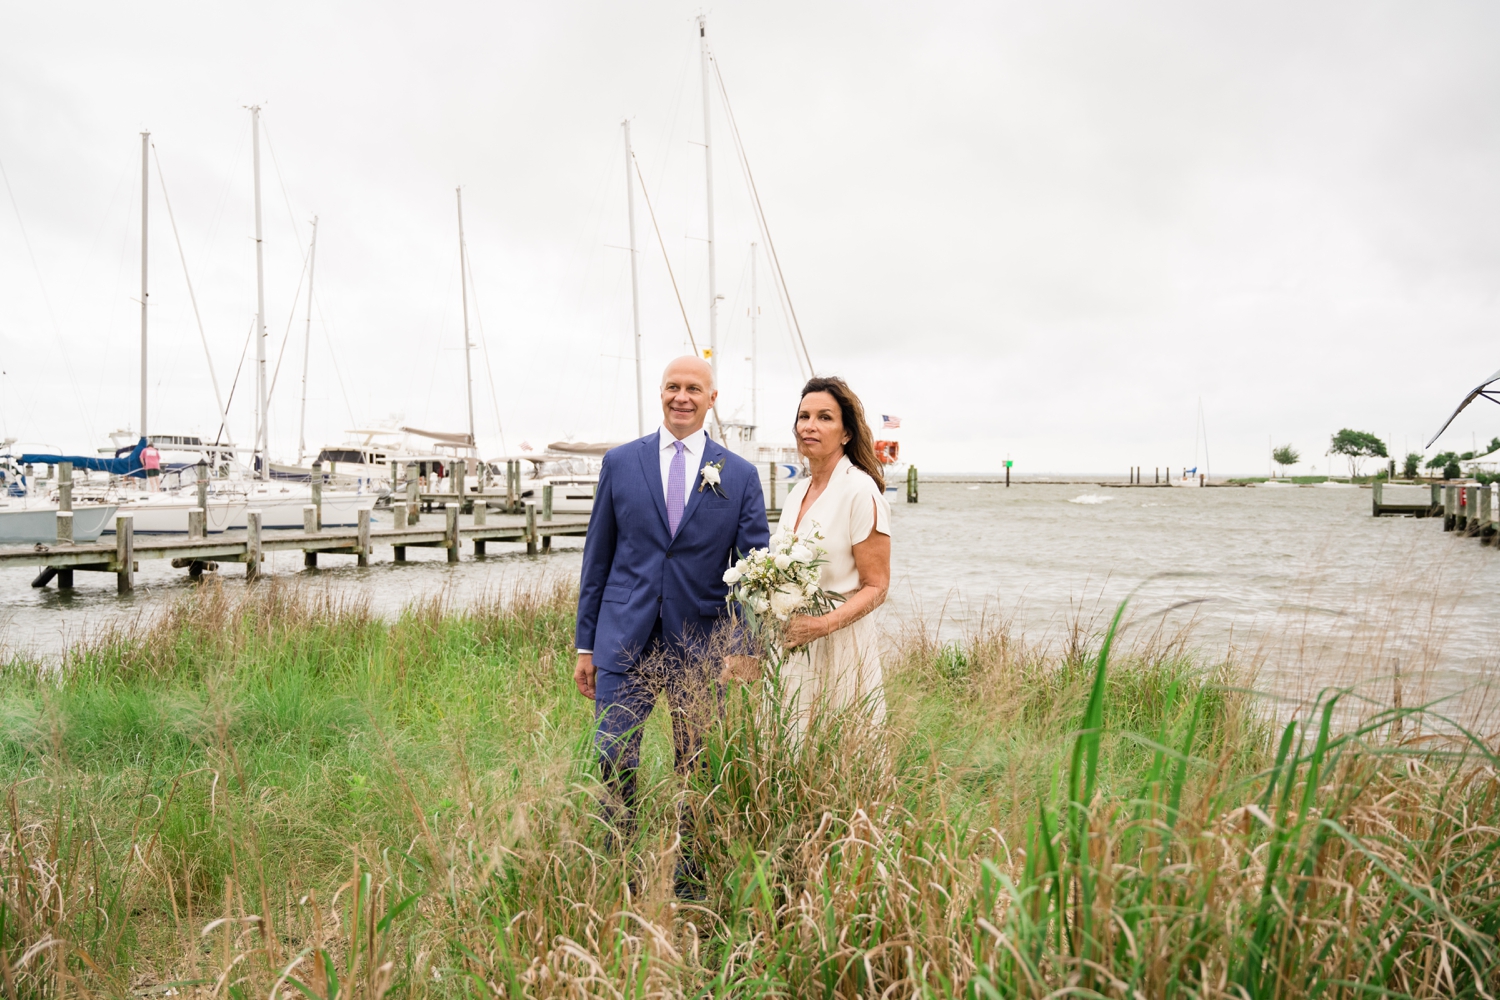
287 796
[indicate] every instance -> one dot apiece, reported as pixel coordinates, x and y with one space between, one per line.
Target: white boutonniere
708 476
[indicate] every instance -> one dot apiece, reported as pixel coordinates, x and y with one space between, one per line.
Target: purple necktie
676 489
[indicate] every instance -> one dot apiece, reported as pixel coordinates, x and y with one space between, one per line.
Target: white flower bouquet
776 582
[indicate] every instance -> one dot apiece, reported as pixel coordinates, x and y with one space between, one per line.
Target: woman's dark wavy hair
861 446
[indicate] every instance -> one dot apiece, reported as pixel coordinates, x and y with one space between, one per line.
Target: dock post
364 537
197 523
412 496
481 517
911 484
65 487
316 482
773 486
1437 500
450 530
1482 513
310 526
65 579
530 527
512 485
252 544
124 553
1377 493
546 501
1450 506
395 478
398 516
200 482
460 473
65 503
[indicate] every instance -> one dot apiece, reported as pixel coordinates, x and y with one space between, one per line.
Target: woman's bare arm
872 557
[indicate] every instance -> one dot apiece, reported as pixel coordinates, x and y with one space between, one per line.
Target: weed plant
285 796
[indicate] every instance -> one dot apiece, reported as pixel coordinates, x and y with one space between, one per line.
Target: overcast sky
1036 231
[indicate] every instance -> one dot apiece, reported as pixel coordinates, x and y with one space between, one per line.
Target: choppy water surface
1305 581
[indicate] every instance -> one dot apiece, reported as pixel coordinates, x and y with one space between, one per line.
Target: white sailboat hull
38 524
280 508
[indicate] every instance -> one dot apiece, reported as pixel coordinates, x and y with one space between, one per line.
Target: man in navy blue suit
672 511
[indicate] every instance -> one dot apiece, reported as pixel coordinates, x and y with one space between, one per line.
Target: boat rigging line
665 259
760 213
161 178
484 346
718 424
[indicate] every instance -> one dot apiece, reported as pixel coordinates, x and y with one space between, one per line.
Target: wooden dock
1467 507
1430 505
197 552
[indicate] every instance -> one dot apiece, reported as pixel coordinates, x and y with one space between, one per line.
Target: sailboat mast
635 291
708 176
145 203
262 435
312 266
463 281
754 347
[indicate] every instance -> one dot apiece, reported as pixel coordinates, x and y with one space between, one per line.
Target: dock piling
317 497
65 503
310 526
773 485
413 489
124 553
450 531
911 484
252 544
1450 507
530 527
481 518
364 538
547 515
197 523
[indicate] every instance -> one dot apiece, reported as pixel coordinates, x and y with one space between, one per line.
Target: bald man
672 511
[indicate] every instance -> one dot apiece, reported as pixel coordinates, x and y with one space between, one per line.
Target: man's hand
583 675
745 669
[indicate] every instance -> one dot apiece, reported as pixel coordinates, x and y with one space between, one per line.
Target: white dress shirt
693 446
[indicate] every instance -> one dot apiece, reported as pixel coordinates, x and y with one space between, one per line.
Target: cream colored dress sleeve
841 670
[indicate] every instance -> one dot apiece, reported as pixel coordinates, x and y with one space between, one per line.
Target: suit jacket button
669 553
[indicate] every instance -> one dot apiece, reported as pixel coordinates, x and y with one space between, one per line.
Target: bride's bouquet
776 582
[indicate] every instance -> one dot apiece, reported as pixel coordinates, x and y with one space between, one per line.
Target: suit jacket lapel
651 469
711 453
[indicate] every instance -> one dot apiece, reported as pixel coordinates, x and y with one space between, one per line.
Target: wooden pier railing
197 552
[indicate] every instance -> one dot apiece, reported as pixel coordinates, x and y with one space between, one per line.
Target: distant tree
1492 447
1447 461
1284 456
1411 466
1357 446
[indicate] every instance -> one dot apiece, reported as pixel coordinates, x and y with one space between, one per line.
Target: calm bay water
1302 580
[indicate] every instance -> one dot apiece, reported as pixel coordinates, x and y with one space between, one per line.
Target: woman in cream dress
838 664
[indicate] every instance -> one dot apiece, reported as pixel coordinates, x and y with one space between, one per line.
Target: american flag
886 420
